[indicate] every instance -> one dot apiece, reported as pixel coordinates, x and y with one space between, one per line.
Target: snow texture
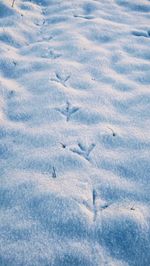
74 133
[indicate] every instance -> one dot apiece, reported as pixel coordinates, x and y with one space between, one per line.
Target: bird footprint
51 54
68 110
83 150
61 79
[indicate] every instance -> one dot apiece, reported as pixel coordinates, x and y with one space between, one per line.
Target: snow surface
74 133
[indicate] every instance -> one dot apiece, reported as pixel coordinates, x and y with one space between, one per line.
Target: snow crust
74 133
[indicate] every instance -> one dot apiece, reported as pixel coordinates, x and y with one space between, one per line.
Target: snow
74 133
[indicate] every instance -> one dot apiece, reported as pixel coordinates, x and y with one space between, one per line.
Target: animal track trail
40 23
61 79
47 38
68 111
54 172
51 54
94 195
90 205
97 206
113 132
141 33
88 17
83 150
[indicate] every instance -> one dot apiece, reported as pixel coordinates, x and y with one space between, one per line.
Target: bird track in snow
68 110
61 79
83 150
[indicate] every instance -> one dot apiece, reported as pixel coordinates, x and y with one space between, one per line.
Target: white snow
74 133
